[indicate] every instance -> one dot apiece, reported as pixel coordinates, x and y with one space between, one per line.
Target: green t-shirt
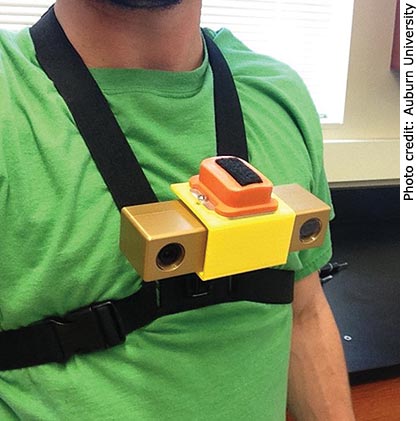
59 233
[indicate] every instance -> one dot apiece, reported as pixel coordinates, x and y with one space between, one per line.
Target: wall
366 147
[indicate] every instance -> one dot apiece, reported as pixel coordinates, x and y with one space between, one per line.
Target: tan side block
312 216
162 240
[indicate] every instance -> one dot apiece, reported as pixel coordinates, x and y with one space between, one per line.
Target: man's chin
143 4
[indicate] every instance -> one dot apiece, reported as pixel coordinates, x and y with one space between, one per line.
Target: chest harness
106 324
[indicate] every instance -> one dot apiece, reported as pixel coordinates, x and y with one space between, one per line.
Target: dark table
365 296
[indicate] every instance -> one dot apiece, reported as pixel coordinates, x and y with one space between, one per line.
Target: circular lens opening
170 256
310 230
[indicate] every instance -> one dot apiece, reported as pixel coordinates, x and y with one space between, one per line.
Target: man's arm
318 382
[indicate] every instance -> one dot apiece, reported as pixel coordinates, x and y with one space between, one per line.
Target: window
16 14
313 36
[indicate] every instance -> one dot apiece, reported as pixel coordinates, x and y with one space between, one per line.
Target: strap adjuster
96 327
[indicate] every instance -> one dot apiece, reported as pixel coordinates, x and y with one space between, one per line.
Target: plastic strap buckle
89 329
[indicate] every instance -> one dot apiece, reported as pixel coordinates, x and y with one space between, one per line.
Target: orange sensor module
235 188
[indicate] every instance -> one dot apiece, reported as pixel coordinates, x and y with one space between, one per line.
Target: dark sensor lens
170 256
310 230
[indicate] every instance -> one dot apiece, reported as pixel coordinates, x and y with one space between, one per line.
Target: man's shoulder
6 37
245 62
261 74
8 42
16 49
18 65
5 41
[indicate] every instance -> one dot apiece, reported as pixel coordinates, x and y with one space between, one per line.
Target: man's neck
109 36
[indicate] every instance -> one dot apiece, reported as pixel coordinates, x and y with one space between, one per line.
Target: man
59 227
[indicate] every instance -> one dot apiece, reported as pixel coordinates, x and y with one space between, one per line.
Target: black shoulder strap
229 121
99 128
93 116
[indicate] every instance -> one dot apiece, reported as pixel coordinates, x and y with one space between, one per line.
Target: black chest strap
102 325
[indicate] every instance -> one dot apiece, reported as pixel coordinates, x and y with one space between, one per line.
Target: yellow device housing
241 244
